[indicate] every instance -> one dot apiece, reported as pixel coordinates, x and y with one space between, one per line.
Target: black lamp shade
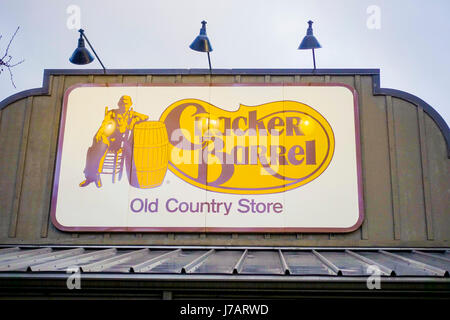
309 41
201 42
81 55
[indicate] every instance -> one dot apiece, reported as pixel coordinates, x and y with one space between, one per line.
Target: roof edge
428 109
45 89
375 73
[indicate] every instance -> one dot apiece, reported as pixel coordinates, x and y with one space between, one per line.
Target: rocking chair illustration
113 164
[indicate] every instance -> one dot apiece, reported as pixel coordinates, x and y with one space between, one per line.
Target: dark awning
189 267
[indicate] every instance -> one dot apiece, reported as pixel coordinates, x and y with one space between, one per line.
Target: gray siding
404 160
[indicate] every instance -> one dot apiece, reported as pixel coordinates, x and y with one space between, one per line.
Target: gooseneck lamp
202 43
310 42
81 55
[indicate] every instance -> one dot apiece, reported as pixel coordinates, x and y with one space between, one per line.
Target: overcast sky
410 43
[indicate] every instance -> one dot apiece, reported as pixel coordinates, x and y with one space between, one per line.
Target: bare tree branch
6 59
12 38
11 77
15 64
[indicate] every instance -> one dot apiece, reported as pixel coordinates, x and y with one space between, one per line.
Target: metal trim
437 271
193 265
102 260
8 250
206 247
110 262
153 262
426 254
240 263
287 270
23 254
25 262
387 271
202 277
331 266
66 262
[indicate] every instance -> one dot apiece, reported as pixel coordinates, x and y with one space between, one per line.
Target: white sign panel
208 158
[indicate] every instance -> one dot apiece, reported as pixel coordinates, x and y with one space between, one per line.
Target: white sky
411 48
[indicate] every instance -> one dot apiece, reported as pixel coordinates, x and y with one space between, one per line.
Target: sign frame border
205 229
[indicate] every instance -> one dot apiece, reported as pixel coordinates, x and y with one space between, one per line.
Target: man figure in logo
113 134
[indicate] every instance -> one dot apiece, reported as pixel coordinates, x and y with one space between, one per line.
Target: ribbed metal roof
229 261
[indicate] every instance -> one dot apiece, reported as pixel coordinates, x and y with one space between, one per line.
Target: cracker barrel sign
208 158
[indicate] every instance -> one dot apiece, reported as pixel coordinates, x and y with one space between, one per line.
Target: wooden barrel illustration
150 154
